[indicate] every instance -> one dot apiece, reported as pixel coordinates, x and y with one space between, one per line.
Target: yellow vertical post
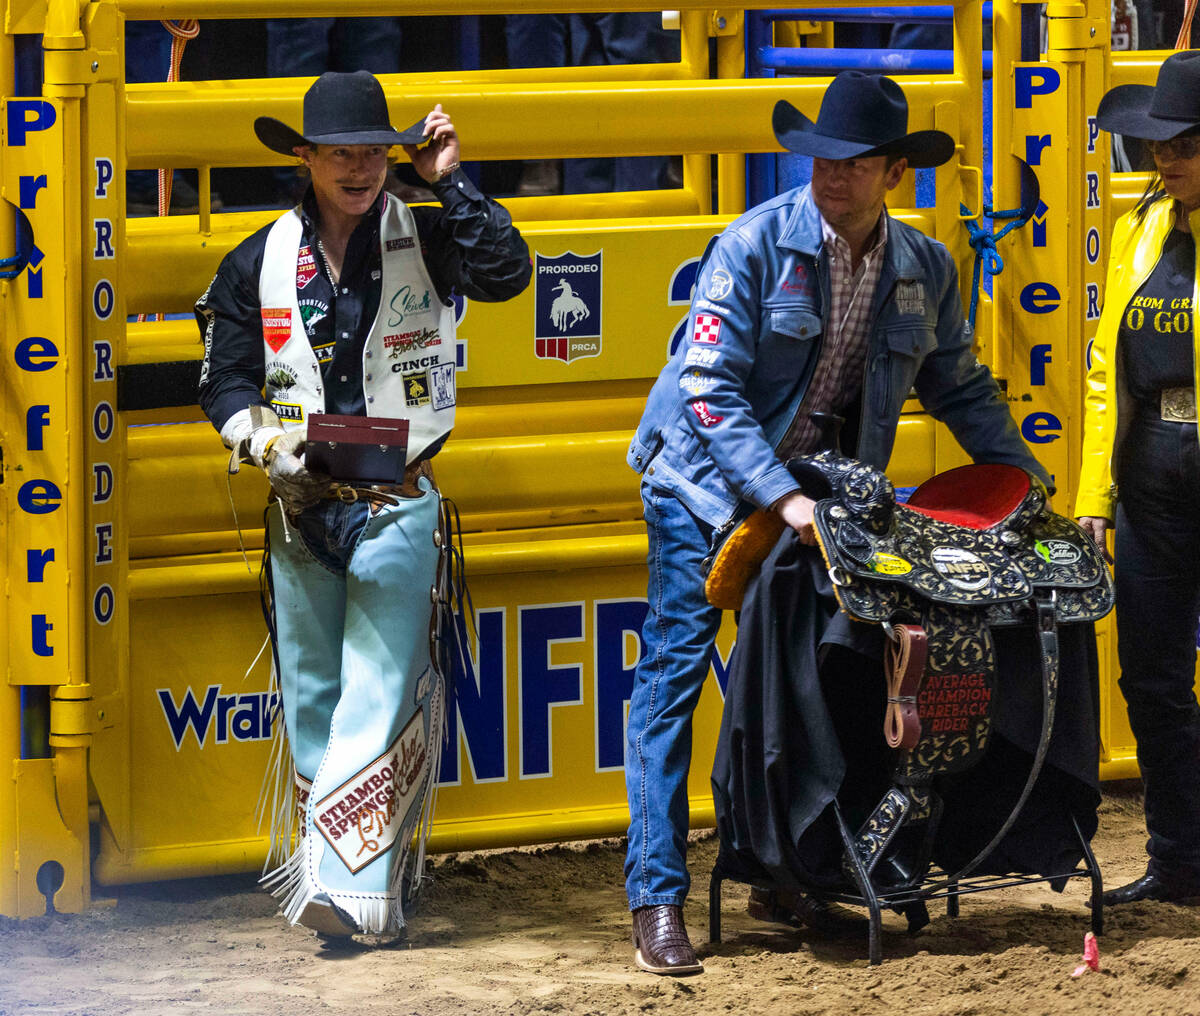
731 166
697 169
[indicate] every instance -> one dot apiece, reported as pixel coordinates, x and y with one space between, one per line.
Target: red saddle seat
976 496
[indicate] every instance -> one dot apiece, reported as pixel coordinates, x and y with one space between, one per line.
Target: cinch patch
306 267
706 418
400 243
277 326
363 817
707 329
416 389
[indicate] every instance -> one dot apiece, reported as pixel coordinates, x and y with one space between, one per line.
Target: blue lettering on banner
1034 143
1093 132
1038 225
103 604
33 277
35 564
102 421
38 497
36 419
28 187
1093 190
28 116
1093 301
102 476
238 717
1040 298
40 629
542 687
103 300
104 232
475 707
104 175
36 354
1092 245
1031 81
1041 428
104 535
1087 354
103 353
1039 356
615 621
679 293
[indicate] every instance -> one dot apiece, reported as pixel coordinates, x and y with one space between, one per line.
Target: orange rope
1184 41
181 33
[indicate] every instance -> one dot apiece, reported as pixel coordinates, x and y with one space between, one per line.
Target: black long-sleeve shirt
470 247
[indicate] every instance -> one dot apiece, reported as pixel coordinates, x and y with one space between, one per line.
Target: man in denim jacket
813 302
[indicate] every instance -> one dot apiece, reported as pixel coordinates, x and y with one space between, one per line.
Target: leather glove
296 486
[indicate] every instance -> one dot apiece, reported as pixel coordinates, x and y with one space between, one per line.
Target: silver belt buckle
1179 405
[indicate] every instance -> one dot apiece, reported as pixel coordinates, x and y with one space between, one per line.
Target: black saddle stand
912 901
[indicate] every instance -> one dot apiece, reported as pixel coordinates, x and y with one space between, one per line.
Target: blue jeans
1158 598
678 636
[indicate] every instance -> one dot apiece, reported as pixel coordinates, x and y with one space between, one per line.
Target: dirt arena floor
544 930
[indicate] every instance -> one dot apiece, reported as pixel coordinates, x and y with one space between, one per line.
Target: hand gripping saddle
974 548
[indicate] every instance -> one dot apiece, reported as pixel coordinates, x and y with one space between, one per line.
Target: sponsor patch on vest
363 817
276 326
416 388
311 313
288 410
960 567
567 304
306 267
406 303
441 382
400 243
281 376
706 417
406 342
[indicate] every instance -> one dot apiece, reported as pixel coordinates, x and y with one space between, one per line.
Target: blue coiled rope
987 259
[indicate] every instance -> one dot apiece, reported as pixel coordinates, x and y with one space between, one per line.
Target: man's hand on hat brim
441 151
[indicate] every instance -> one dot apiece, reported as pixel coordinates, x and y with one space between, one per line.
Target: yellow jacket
1136 248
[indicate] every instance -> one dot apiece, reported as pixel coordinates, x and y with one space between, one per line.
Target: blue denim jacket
724 402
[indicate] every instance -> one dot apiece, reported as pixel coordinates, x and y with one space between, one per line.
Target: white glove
296 486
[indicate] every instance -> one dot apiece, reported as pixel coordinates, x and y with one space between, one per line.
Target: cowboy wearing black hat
815 302
1141 466
342 306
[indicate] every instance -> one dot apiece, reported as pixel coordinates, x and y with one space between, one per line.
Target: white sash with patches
408 359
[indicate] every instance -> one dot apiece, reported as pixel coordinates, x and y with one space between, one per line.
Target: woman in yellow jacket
1141 457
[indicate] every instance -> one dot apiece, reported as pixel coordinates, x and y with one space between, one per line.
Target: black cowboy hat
1160 111
339 109
861 115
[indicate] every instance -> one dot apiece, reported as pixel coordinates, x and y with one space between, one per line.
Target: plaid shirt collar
834 243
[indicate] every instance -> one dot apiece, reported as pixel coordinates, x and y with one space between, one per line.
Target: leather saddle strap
1047 632
905 666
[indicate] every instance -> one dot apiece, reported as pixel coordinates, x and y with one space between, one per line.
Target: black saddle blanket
803 725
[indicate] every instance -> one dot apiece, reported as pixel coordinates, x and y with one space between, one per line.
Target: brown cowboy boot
660 941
